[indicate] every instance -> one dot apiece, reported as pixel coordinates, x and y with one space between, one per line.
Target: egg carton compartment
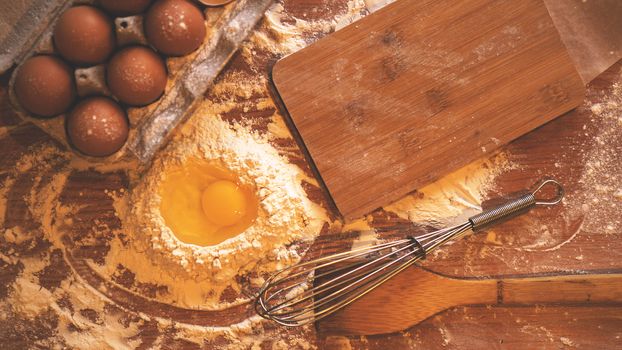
91 81
189 76
130 30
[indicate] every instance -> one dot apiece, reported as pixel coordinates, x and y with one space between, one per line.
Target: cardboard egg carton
188 76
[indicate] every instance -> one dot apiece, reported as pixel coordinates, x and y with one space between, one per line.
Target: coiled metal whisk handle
517 206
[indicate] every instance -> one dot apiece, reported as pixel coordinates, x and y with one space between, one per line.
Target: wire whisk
315 289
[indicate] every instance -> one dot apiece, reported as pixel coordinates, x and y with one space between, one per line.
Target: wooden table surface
582 235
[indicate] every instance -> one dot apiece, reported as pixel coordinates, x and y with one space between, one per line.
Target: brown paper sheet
592 32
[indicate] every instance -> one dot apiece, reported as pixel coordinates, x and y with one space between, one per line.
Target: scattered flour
196 277
602 174
455 196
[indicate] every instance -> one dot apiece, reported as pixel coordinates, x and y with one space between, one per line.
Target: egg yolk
205 204
224 203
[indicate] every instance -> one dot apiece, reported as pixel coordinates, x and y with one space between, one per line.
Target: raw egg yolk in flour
204 204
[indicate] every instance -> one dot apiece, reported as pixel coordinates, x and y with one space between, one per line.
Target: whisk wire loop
559 192
317 290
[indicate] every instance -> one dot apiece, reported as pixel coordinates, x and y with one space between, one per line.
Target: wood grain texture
560 148
421 88
417 294
597 288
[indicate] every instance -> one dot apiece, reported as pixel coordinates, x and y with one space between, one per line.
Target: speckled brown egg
136 75
175 27
97 127
122 8
44 86
84 35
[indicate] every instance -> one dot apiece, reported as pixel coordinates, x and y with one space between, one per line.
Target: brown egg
122 8
136 75
44 86
84 35
175 27
97 127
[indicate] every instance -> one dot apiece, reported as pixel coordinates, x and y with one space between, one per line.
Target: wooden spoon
416 294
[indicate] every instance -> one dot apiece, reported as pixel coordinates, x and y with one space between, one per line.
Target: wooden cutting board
421 88
416 294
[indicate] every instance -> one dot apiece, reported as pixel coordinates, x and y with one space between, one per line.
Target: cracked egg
205 204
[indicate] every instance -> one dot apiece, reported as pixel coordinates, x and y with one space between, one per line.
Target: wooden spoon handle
598 288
